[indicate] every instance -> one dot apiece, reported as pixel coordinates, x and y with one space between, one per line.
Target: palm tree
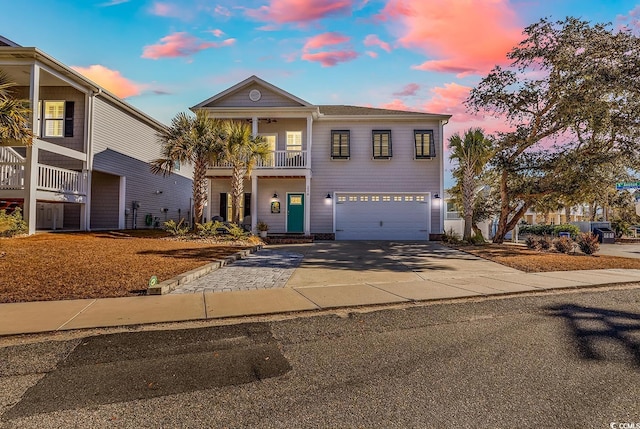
194 141
472 152
241 150
14 115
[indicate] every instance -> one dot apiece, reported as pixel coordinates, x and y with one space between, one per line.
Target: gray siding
361 173
105 189
281 127
240 98
123 146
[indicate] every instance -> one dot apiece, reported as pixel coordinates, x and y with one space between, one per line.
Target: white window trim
44 120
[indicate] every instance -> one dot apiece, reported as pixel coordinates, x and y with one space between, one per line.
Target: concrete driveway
621 250
373 262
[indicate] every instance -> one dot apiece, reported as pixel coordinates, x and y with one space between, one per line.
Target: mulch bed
56 266
533 261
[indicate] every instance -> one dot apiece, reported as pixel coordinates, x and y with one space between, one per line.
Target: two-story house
88 166
335 171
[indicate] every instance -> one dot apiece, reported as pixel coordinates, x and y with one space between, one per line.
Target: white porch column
31 168
307 205
122 202
309 139
254 126
85 207
209 196
254 201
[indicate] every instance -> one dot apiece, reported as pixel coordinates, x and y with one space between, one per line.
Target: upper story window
340 144
57 118
294 140
382 144
53 119
425 146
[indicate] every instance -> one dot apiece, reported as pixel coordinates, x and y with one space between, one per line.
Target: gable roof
6 42
346 110
247 82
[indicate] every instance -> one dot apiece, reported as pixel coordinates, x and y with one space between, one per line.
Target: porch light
436 196
275 196
328 197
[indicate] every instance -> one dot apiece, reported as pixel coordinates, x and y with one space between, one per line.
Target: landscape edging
169 285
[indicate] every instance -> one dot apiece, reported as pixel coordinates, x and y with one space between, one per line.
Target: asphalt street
563 360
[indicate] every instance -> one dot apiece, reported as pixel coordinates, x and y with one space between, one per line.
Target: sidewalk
331 275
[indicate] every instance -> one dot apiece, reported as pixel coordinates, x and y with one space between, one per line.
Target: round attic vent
254 95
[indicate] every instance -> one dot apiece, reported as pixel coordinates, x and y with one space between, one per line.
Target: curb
170 285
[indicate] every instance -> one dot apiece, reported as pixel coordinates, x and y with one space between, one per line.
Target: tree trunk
468 188
567 214
199 189
237 189
504 210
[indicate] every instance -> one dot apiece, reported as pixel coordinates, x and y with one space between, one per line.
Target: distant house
88 167
343 172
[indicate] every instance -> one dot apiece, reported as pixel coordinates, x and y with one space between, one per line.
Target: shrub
450 237
588 243
210 229
176 229
477 240
544 242
236 232
12 224
621 228
571 229
532 242
564 244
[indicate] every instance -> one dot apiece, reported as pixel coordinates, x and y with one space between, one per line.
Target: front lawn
55 266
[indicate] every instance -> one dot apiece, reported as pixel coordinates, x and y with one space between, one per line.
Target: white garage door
384 216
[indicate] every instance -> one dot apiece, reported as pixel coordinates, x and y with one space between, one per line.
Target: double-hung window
56 118
425 146
53 119
340 144
382 144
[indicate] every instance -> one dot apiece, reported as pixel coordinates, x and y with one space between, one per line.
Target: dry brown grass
533 261
97 265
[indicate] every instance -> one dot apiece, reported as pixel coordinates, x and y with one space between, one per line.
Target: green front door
295 212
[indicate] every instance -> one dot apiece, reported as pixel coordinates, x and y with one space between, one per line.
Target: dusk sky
421 55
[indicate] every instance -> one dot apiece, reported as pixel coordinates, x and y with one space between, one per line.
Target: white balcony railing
61 180
11 175
278 159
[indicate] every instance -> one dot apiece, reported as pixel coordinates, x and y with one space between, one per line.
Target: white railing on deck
278 159
61 180
11 175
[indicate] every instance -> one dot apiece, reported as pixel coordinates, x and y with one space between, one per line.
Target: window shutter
247 204
68 118
223 206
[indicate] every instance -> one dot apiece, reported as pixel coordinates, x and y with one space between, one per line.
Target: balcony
50 179
279 159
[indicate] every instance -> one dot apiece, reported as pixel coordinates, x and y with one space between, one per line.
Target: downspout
442 199
89 153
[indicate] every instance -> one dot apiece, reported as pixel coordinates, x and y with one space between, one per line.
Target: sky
168 55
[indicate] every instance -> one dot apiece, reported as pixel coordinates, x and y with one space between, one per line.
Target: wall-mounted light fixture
328 197
157 192
436 196
275 196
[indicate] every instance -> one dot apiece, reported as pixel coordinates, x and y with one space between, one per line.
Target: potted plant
263 228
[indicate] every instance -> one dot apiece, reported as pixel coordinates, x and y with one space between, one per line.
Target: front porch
22 177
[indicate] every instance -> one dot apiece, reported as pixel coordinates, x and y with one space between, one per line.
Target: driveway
371 262
621 250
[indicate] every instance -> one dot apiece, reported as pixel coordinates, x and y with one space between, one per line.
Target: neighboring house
578 213
88 167
343 172
454 222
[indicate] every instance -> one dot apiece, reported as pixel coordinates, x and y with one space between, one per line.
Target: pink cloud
457 40
111 80
373 40
396 105
409 90
299 11
217 32
372 54
630 21
328 58
325 39
180 45
332 58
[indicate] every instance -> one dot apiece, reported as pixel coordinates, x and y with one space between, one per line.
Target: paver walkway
265 269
